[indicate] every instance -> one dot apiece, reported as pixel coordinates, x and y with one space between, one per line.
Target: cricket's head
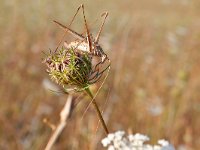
100 52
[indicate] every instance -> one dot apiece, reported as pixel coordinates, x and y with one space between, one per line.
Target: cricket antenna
100 30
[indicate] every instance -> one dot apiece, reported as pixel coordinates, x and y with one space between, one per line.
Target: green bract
69 68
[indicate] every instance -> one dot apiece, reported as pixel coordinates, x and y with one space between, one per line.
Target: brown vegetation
153 86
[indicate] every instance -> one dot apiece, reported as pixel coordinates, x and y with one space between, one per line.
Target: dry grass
154 48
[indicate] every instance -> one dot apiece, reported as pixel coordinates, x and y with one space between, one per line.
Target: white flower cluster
118 141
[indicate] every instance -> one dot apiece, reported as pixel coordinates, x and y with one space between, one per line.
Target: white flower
138 137
106 142
111 136
111 148
119 135
118 141
163 142
165 145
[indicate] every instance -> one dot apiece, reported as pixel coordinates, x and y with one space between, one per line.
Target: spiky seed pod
70 68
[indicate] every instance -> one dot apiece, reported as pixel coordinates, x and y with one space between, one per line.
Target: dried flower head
72 69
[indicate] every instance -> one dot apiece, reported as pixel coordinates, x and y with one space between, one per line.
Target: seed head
70 68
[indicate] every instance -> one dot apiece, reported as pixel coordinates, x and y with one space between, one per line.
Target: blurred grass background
153 86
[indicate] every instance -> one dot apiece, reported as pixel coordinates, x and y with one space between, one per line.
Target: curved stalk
88 91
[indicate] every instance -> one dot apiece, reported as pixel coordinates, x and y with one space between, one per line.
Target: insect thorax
82 46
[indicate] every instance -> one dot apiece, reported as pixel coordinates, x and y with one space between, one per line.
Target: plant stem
64 116
88 91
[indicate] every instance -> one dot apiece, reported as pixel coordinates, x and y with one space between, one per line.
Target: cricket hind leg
97 92
64 34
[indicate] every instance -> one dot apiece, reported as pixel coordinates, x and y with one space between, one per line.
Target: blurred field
153 86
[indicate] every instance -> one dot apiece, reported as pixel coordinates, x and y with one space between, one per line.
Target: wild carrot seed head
69 68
